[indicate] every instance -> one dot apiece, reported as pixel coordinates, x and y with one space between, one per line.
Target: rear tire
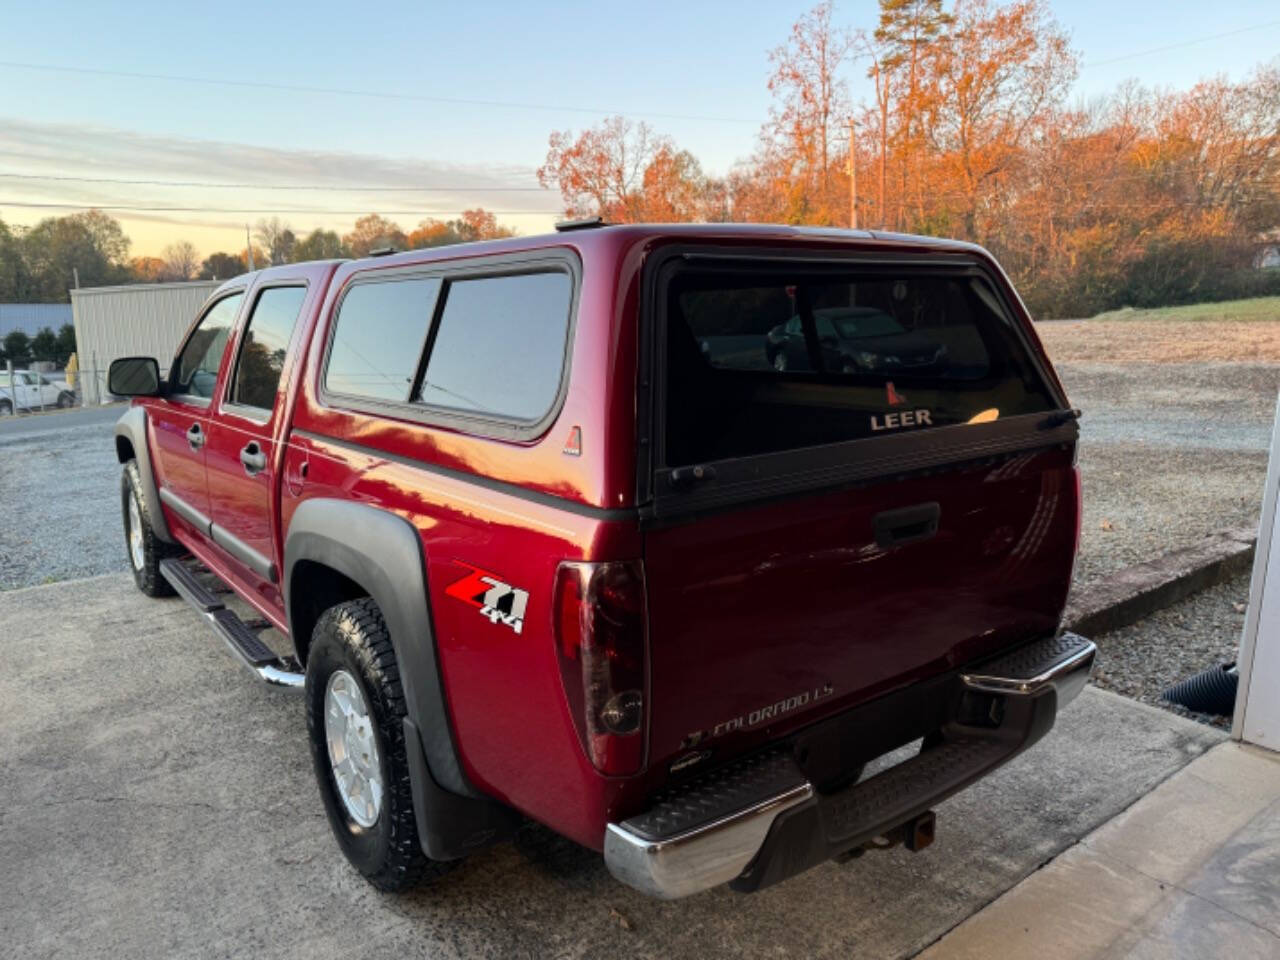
143 549
6 408
351 646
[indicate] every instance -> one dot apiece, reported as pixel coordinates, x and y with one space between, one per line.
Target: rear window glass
765 361
379 336
500 346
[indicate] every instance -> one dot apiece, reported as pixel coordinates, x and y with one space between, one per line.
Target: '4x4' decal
494 598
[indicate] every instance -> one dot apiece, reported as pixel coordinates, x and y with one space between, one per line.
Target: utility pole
853 178
248 246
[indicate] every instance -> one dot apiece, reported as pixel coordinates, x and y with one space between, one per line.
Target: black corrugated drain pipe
1210 691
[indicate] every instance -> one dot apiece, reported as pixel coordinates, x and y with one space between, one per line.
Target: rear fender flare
382 552
131 431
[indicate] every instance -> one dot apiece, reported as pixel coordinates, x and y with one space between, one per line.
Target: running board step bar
189 586
241 638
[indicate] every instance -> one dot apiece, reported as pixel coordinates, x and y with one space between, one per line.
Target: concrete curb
1130 594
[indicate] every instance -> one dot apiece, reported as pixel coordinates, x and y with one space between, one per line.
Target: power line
351 92
1180 45
270 210
361 188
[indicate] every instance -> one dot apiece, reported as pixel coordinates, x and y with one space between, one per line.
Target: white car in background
33 391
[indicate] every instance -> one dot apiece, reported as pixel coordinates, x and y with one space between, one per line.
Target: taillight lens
600 644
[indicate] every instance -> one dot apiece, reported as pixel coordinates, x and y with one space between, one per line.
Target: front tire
142 547
355 723
66 400
6 408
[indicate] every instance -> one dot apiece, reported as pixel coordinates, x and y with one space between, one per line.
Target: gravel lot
1168 454
1144 660
61 483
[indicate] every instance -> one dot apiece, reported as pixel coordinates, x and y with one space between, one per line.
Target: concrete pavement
155 801
1189 872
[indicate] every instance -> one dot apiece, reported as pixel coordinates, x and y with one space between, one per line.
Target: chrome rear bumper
762 820
698 859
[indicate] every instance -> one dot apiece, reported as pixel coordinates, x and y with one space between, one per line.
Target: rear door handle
893 528
195 436
253 459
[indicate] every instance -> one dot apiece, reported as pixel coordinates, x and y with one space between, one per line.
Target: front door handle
253 459
195 436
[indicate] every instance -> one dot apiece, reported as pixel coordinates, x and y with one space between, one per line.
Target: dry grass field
1237 331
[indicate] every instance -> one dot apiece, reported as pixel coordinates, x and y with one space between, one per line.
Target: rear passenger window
379 337
266 340
500 346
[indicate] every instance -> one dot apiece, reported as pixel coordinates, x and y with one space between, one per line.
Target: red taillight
600 643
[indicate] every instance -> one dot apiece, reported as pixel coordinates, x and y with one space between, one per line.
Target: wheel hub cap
136 552
353 749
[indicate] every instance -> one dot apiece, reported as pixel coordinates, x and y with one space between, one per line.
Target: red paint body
746 607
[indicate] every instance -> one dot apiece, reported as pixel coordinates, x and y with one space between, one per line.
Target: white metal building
140 320
1257 717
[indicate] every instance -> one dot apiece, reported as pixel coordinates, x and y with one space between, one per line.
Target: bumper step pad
241 638
739 786
760 820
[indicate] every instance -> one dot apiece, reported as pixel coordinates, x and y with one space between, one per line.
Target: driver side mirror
134 377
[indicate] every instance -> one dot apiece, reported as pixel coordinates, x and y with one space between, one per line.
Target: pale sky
458 98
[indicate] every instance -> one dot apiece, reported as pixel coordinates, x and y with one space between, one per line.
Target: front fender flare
382 552
132 426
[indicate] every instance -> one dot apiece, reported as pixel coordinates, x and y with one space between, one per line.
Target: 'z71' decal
494 598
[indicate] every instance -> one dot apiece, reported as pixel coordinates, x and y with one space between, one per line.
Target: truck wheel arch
336 546
131 444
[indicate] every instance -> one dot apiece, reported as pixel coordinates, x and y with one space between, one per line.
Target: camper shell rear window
766 357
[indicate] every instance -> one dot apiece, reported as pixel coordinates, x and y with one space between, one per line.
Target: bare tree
181 261
277 238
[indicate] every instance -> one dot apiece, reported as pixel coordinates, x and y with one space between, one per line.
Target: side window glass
499 349
196 371
263 347
378 338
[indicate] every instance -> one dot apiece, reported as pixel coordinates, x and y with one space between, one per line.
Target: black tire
147 575
66 400
6 408
353 636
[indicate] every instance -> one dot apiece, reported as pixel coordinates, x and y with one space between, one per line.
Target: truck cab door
246 430
28 388
180 419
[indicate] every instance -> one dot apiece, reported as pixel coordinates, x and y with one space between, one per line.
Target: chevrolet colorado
656 535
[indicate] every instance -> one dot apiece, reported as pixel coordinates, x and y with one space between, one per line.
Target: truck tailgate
769 617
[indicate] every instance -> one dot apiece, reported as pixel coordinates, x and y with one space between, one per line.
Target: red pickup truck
656 535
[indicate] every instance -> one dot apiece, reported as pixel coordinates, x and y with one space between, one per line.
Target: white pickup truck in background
30 390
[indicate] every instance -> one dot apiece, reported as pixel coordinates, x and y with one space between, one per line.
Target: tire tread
358 625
